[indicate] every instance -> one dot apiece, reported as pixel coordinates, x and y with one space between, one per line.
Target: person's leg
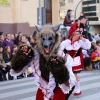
58 94
77 85
1 73
93 64
39 95
87 61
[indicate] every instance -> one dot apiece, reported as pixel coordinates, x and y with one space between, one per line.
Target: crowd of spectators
92 56
9 44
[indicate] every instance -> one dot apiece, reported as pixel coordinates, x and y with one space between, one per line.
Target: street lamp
77 7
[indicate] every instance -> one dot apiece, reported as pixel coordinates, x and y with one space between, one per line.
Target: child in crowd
15 48
86 59
95 59
98 49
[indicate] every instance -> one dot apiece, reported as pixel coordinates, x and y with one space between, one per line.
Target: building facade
91 9
22 15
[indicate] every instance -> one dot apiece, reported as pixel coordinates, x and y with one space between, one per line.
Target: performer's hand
82 38
53 60
26 50
4 65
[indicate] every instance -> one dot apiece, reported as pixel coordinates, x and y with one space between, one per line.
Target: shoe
77 94
88 68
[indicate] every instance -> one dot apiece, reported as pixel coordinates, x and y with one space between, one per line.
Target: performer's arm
85 43
50 88
61 49
66 87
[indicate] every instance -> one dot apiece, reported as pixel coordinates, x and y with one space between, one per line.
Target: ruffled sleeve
86 44
50 88
72 80
15 74
62 47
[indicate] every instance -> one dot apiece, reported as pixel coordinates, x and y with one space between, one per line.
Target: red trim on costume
37 73
73 53
77 68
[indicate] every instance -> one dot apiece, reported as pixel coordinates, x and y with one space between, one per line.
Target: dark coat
6 58
67 21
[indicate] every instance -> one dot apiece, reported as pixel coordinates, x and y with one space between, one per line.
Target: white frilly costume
48 87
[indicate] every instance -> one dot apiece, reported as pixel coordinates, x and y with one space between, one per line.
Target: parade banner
5 2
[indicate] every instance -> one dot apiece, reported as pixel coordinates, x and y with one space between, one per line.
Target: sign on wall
5 2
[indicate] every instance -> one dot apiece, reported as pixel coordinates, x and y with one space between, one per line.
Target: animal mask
48 39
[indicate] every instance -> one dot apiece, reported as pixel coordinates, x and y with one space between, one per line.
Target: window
88 2
90 14
70 0
97 1
62 2
91 8
93 19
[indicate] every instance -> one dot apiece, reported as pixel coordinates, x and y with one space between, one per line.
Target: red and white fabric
48 88
69 46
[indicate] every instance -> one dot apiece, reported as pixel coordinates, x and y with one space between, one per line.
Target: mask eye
43 38
50 38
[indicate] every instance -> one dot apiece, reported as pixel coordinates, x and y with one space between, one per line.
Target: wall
55 12
21 15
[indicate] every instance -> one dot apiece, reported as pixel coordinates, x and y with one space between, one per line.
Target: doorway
48 11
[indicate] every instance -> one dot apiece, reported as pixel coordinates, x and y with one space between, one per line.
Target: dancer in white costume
73 46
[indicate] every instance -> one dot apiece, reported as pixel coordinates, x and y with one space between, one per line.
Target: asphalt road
25 89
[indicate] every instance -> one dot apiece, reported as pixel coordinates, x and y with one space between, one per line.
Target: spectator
98 46
95 59
86 59
81 15
67 20
81 27
13 38
4 68
33 40
15 48
96 37
1 41
7 54
8 41
18 38
22 41
27 39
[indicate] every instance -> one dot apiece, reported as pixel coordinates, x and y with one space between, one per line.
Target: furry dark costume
59 70
20 59
48 40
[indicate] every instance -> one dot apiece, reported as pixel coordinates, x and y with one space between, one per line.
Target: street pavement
25 89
